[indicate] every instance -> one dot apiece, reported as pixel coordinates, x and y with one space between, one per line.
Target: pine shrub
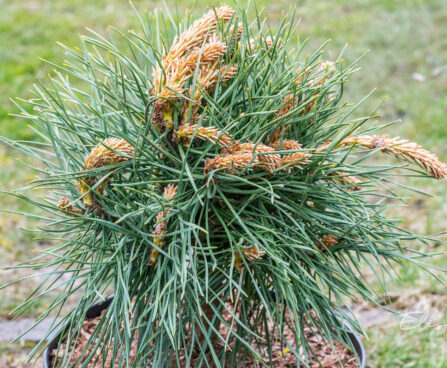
211 167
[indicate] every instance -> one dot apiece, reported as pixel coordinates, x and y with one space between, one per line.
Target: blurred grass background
407 63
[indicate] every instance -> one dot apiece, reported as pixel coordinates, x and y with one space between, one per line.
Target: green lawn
407 63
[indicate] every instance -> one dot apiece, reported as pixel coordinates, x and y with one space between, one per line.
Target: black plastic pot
96 309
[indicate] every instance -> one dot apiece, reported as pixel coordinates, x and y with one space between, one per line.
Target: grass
407 63
390 348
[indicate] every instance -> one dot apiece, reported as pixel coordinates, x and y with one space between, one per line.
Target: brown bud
64 204
251 254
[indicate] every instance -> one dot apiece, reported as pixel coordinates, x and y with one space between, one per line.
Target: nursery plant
210 176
